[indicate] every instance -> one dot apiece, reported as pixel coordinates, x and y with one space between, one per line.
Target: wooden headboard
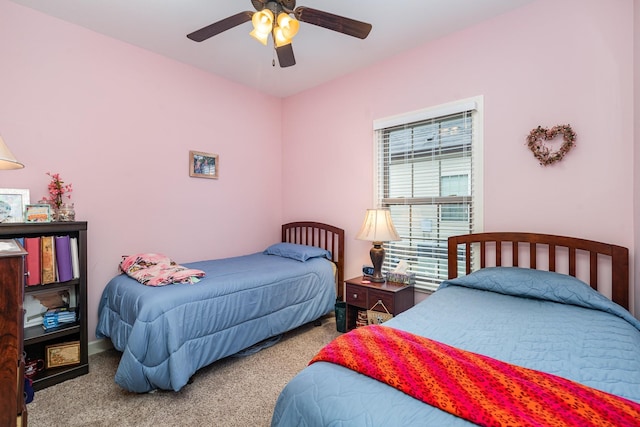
502 245
321 235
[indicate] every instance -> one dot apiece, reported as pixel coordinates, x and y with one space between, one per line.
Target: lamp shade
289 25
262 25
7 159
378 227
261 37
279 37
262 21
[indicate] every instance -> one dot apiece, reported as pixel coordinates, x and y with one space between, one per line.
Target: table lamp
7 159
378 228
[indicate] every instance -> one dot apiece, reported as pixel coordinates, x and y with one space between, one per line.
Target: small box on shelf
62 354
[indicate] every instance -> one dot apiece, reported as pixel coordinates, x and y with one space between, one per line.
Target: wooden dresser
13 411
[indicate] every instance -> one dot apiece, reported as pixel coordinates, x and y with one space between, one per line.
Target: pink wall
68 94
118 122
552 62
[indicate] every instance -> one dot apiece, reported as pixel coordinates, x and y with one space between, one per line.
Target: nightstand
397 297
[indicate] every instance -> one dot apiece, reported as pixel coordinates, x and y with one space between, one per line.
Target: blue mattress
539 320
167 333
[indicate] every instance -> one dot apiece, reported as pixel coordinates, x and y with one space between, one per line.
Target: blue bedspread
559 325
167 333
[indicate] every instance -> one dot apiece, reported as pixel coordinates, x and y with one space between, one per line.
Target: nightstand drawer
385 297
356 295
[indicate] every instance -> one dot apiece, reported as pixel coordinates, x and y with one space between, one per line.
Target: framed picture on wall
203 165
12 204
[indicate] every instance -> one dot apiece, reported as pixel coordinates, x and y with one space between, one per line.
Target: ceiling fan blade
333 22
285 55
218 27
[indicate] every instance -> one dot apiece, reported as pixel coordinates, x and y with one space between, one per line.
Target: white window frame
474 104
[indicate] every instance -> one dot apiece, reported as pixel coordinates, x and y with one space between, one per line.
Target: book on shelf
32 246
75 257
51 259
56 317
63 258
47 260
60 313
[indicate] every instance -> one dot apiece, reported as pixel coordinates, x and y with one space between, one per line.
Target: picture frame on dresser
13 202
8 247
37 213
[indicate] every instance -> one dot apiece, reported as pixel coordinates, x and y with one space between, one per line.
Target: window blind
425 176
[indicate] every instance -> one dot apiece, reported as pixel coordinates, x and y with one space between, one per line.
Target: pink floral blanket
158 270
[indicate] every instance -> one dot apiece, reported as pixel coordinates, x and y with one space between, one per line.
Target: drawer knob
355 296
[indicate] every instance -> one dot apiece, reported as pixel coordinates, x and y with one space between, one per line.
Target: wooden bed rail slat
618 255
572 261
593 270
532 255
468 257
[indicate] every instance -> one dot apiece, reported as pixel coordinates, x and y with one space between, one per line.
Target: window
427 174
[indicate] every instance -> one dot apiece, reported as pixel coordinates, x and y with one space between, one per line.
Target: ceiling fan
272 17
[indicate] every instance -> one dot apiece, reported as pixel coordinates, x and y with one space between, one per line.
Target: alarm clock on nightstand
367 270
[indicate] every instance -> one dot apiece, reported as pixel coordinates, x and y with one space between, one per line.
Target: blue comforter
167 333
540 320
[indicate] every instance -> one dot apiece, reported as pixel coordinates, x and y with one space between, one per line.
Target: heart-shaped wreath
536 138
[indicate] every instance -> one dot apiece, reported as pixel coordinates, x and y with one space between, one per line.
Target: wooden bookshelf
36 339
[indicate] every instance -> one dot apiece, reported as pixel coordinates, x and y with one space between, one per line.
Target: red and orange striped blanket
485 391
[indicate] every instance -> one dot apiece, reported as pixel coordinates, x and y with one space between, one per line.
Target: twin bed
514 308
167 333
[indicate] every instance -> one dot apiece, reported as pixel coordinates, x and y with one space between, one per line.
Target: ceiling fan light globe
289 25
280 38
262 21
261 37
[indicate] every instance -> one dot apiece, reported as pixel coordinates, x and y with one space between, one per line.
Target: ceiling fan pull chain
273 58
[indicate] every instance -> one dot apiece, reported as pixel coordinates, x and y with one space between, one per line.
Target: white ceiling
321 55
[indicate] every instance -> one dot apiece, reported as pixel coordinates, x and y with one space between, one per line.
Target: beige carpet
230 392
